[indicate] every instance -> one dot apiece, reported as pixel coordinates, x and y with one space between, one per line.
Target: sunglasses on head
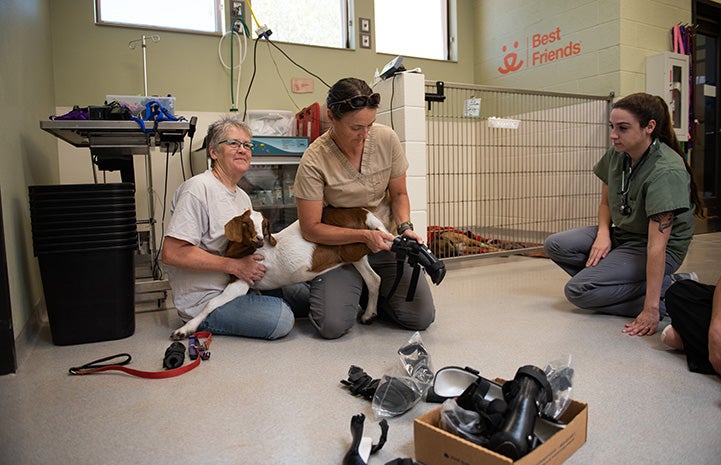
360 101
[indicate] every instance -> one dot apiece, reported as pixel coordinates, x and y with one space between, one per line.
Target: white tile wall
405 94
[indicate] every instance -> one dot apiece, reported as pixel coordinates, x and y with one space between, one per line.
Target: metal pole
151 213
132 44
145 67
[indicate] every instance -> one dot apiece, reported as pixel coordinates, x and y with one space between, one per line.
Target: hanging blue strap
155 112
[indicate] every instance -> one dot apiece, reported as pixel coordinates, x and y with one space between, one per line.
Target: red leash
98 366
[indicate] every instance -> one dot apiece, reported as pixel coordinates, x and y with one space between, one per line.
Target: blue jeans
617 285
258 316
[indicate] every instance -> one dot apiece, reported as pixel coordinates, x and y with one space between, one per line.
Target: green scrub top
658 183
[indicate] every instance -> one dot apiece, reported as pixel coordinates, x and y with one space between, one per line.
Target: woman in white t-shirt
194 246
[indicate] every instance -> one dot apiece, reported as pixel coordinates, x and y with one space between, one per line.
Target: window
309 22
417 28
186 15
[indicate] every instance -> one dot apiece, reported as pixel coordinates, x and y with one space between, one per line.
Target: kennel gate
503 189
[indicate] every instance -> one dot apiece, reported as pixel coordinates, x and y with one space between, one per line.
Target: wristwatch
403 227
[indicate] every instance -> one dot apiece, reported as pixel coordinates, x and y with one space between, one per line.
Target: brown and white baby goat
290 259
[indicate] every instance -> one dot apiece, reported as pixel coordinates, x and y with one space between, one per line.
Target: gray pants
617 285
335 296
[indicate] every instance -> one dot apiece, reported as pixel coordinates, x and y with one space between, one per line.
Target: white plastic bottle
277 192
288 181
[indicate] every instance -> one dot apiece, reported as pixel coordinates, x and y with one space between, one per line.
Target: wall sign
541 49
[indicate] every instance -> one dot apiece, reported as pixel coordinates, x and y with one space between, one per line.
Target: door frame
8 359
707 19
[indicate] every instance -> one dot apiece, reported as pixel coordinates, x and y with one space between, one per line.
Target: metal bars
498 189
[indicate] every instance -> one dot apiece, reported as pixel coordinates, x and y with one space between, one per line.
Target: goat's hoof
178 335
367 319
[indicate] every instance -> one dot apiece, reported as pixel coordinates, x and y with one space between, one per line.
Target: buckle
197 349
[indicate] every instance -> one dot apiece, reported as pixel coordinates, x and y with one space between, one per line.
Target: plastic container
308 122
89 295
89 214
80 207
271 122
136 103
78 235
56 224
62 246
82 189
85 238
42 233
97 199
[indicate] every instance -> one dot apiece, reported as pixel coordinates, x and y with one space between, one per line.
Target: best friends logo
540 49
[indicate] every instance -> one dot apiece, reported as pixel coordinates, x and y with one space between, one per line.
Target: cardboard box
434 446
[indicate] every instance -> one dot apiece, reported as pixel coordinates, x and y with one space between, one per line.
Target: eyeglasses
236 144
360 101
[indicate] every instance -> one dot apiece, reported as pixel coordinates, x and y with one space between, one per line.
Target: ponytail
647 107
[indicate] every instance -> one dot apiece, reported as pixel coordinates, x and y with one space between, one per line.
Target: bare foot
670 337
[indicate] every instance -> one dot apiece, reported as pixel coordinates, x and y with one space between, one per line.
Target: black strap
414 283
399 274
359 383
99 363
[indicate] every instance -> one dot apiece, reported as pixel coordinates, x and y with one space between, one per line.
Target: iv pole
132 44
148 165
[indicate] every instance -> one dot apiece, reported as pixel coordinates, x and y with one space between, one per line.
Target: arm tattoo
664 220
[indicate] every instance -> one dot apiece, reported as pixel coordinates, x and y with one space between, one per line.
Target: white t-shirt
200 208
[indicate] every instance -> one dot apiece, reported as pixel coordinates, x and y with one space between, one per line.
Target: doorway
706 156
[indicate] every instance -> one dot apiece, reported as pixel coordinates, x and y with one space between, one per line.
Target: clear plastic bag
464 423
416 361
396 395
560 376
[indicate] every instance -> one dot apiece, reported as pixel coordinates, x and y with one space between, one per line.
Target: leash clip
197 349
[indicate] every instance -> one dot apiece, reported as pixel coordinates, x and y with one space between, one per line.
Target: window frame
220 21
347 25
451 26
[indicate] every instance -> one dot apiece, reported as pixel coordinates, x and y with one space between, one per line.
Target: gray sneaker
684 276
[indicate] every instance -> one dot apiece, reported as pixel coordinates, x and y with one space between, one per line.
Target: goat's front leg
232 290
373 282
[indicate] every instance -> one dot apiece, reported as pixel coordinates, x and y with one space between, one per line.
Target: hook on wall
438 96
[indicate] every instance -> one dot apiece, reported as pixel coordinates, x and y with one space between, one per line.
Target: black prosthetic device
417 255
174 355
526 396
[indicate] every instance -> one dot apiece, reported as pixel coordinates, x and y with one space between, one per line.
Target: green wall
582 46
27 156
92 61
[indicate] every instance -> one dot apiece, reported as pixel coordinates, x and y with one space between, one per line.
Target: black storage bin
85 238
89 295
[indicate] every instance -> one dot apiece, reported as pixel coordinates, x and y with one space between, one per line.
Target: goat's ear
234 229
266 232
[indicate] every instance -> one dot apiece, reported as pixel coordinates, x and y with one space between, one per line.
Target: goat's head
249 229
265 227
